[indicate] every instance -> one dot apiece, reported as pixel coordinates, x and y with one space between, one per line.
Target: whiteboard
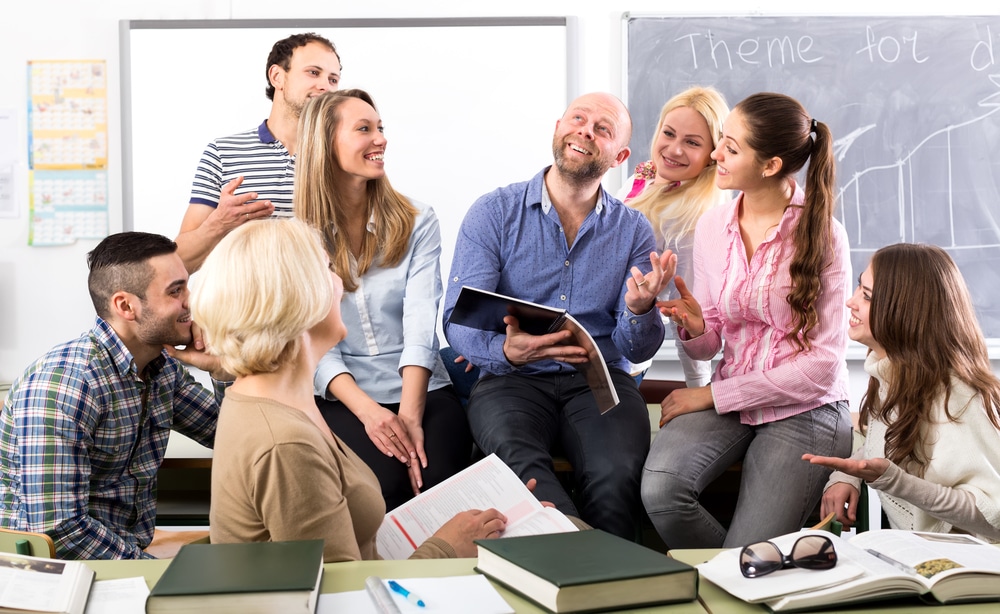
912 103
468 105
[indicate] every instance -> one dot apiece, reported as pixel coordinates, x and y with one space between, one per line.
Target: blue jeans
524 418
778 490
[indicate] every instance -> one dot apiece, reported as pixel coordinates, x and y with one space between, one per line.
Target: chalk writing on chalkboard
912 103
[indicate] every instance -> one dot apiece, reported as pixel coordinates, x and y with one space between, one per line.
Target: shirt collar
546 202
264 134
119 353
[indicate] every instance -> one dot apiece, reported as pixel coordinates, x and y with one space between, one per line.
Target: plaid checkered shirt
82 435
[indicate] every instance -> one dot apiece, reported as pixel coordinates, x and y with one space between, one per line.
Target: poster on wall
67 151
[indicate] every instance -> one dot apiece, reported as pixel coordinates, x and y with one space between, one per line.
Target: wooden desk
350 576
717 601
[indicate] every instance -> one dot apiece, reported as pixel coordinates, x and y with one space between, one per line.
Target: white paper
448 595
488 483
121 596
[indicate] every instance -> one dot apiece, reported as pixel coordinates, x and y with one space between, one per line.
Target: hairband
812 127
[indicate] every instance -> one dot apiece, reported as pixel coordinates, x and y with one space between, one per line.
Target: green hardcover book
245 578
586 571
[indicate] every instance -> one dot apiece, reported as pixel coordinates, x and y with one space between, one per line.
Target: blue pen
417 601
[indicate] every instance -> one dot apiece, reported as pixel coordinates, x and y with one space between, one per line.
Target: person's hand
467 526
531 484
869 469
237 209
641 290
684 311
460 359
685 401
416 431
520 348
389 434
195 355
841 498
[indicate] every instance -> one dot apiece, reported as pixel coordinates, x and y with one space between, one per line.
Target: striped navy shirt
266 166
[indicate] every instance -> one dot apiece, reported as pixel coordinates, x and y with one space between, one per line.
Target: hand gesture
237 209
641 290
684 311
869 469
520 348
465 527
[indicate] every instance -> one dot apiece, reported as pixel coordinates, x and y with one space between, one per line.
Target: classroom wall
43 296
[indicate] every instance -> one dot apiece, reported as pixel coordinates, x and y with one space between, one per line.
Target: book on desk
586 571
37 584
258 577
878 565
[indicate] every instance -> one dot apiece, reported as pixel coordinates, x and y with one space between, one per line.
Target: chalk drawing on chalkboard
912 103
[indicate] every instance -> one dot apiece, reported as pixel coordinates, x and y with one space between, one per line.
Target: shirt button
562 297
560 230
455 279
634 321
566 263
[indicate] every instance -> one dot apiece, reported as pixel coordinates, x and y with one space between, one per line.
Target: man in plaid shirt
84 429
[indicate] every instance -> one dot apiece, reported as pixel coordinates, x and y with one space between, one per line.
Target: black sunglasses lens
760 559
814 552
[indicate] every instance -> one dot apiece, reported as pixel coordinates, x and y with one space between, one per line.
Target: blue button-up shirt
512 242
82 435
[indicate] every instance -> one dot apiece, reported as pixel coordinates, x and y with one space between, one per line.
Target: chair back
830 524
26 542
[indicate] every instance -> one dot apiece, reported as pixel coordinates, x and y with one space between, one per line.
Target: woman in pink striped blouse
771 274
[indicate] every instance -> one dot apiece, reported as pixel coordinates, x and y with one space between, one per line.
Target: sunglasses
809 552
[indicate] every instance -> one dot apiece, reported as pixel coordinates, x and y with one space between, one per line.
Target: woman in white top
931 415
384 389
677 184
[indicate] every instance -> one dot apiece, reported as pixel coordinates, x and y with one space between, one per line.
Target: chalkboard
468 104
911 102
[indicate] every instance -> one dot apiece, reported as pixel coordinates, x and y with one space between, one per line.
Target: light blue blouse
391 320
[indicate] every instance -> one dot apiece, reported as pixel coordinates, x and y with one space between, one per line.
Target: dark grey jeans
525 418
778 489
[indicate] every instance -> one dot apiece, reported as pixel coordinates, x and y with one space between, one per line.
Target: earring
763 175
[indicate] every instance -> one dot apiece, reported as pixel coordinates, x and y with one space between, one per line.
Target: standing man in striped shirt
83 431
250 175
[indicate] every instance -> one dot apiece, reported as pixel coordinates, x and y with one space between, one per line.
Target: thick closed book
486 310
246 578
35 584
586 571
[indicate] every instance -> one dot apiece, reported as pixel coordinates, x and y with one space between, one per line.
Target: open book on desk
485 310
488 483
874 565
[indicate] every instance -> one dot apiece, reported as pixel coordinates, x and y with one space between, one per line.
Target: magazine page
488 483
595 370
724 571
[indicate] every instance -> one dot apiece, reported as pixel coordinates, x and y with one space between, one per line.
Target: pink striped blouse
761 375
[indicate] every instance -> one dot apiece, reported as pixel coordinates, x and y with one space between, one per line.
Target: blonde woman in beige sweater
269 306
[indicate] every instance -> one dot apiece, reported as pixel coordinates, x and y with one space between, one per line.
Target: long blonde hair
674 213
318 201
